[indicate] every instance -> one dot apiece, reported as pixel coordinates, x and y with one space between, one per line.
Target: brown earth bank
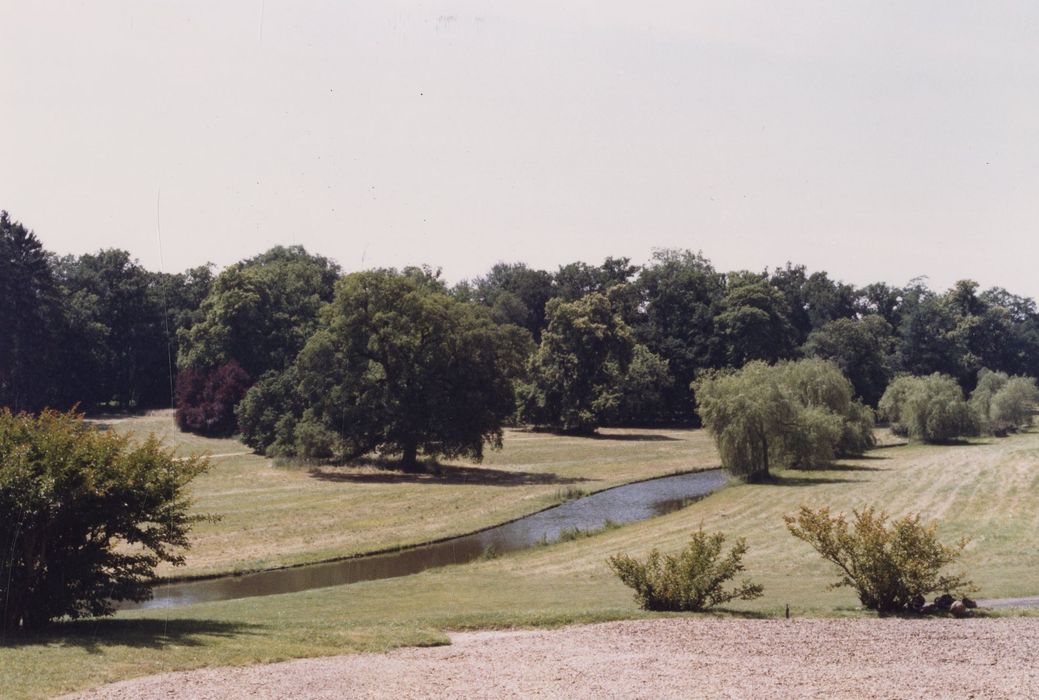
682 657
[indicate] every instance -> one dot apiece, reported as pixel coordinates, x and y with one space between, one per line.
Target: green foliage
693 580
269 412
87 517
929 409
989 384
1015 403
754 321
888 566
260 312
681 293
642 389
398 366
579 373
863 349
793 414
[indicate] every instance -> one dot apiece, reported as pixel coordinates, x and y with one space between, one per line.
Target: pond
620 505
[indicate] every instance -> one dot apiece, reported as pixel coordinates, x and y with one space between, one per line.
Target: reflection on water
624 504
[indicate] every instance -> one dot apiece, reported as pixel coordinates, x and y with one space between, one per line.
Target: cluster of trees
98 329
933 408
285 348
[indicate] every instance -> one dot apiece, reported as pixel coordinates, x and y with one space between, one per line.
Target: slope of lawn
988 489
272 516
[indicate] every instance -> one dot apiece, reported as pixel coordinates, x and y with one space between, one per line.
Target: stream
620 505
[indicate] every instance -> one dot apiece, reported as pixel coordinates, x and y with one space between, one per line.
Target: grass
273 516
987 489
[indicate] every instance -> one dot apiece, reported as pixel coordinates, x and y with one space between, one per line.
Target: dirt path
983 658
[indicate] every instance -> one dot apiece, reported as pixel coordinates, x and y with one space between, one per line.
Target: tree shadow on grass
442 474
143 633
631 437
806 480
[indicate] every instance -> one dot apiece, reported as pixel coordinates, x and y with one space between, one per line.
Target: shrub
929 409
86 517
692 580
793 414
888 566
206 400
1014 403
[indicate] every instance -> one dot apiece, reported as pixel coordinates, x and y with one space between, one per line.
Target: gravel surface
687 657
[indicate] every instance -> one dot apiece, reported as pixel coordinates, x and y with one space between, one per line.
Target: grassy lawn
987 489
274 516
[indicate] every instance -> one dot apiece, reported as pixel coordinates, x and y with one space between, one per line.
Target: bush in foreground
888 566
86 517
692 580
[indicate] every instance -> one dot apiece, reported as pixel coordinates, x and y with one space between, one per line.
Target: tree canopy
400 367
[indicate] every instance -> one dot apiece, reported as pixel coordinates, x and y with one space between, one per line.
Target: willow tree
793 414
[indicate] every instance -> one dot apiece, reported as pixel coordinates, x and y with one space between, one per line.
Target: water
624 504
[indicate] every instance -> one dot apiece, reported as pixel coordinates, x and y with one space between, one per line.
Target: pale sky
874 140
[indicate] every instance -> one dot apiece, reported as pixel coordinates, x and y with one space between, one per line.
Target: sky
879 141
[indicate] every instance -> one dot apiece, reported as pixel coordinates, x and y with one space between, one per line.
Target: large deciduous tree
399 367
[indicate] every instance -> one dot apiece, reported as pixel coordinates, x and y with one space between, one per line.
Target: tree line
305 360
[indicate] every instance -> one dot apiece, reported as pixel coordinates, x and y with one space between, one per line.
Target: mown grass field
988 489
273 516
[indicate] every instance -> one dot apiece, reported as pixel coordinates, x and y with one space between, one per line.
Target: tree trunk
409 462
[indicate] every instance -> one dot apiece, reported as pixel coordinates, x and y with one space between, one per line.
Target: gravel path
687 657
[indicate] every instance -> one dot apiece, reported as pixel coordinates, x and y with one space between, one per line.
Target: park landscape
322 416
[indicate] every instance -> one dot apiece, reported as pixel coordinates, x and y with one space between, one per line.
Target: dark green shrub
692 580
888 566
86 517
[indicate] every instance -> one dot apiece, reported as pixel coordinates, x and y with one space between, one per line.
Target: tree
400 367
642 389
794 414
1014 404
889 567
754 321
863 349
578 372
516 295
123 334
929 409
31 319
87 517
693 580
260 312
681 294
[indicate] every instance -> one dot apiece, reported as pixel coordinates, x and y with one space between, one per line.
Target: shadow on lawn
806 480
145 633
441 474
